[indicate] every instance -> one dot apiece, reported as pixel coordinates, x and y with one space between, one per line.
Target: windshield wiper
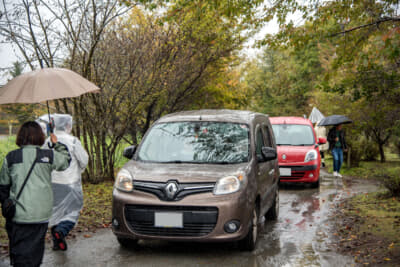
302 145
174 161
182 161
284 144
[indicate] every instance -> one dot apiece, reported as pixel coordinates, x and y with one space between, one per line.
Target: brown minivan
205 175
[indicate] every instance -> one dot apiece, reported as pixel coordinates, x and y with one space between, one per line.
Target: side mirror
321 141
129 152
269 153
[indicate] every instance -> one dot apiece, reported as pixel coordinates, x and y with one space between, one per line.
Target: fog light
115 223
232 226
311 175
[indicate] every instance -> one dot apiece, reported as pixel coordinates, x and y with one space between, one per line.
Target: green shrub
391 180
370 150
362 149
6 145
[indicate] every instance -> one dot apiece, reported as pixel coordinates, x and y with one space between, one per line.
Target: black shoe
323 165
59 242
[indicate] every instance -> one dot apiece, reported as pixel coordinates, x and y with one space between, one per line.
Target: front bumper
300 173
204 216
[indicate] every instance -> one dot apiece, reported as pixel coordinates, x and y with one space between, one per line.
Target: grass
370 228
377 209
370 223
6 145
366 169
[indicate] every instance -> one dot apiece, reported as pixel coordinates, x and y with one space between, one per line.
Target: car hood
184 173
289 154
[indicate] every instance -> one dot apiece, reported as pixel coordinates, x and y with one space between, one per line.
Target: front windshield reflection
293 135
196 142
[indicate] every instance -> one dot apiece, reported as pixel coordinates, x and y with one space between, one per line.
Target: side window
267 132
259 144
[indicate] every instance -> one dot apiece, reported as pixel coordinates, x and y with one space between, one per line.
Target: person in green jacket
27 229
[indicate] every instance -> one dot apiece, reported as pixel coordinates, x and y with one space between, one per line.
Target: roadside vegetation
6 145
367 225
368 228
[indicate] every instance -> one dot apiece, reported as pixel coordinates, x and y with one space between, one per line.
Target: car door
271 167
263 180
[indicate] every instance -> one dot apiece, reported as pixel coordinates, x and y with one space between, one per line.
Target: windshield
293 134
196 142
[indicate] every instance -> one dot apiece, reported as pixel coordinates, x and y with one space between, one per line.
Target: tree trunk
382 152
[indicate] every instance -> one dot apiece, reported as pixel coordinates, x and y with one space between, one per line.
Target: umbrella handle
51 120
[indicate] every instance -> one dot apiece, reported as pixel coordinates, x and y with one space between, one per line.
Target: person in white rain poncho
320 131
67 185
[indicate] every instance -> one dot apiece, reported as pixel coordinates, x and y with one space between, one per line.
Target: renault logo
170 190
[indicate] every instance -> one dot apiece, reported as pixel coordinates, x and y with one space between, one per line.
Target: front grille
183 189
298 172
197 221
295 175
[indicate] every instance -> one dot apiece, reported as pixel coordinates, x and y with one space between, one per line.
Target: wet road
300 237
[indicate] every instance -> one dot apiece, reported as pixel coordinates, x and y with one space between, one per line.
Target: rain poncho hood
67 185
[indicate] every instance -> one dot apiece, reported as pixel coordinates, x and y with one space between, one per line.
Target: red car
298 152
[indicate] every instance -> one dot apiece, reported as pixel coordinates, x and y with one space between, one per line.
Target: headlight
311 155
124 181
227 185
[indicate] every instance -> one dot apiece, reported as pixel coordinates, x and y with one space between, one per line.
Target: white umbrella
45 84
315 115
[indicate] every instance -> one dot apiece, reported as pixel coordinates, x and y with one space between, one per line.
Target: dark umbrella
334 120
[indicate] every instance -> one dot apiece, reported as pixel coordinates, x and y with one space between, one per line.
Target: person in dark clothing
337 144
27 228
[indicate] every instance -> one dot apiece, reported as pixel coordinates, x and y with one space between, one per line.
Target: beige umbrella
45 84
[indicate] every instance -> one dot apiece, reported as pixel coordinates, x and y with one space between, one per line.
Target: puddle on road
302 233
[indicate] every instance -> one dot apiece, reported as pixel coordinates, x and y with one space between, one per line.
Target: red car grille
295 175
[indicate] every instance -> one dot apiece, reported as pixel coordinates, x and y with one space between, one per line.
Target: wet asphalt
302 236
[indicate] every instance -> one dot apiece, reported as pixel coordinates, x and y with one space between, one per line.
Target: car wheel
315 184
273 212
249 242
127 242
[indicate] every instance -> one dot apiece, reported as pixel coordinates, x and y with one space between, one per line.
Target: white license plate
168 219
285 171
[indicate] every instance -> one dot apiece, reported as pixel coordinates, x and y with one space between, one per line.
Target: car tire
273 212
127 242
249 242
315 184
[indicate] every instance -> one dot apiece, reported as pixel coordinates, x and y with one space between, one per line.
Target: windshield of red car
293 135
